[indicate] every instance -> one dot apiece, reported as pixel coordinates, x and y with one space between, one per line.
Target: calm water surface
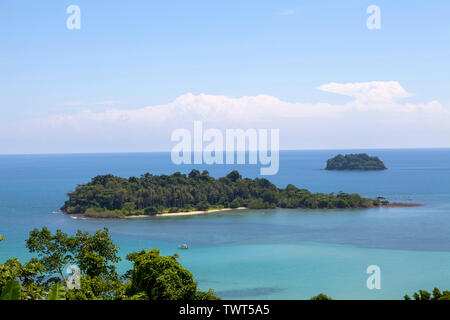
262 254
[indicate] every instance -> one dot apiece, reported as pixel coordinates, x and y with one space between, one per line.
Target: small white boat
183 246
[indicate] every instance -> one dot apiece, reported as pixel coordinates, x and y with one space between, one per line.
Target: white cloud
374 117
375 91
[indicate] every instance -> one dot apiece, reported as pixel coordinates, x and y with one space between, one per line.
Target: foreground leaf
57 292
11 291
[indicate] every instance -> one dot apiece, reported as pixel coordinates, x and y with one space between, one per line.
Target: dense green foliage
11 291
57 292
115 197
321 296
425 295
360 161
162 278
153 276
421 295
95 255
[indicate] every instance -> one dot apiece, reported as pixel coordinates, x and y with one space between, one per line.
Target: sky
138 70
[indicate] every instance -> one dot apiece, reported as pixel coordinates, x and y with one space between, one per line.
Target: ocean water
261 254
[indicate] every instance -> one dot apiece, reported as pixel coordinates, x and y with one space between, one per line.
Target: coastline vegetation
108 196
361 162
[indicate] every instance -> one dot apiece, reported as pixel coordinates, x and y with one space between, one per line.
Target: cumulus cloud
375 91
375 116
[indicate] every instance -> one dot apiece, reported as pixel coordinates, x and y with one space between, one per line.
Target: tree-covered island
361 161
108 196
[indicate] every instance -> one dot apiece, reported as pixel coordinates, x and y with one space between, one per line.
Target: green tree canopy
152 277
321 296
425 295
360 161
115 197
162 278
95 255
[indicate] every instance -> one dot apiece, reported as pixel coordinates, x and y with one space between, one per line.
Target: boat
183 246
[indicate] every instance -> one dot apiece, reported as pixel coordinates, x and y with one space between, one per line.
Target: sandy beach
190 213
175 214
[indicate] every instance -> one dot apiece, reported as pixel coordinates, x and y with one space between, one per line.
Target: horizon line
284 150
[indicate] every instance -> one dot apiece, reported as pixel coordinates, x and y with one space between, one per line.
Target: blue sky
133 54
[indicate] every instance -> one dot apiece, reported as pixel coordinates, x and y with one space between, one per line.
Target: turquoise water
263 254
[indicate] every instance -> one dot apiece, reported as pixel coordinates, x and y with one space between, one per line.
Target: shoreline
401 205
193 213
174 214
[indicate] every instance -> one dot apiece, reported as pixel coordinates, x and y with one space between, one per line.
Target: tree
95 255
321 296
129 206
203 206
158 277
194 174
29 275
234 176
55 251
425 295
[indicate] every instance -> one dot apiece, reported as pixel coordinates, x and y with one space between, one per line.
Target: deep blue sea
261 254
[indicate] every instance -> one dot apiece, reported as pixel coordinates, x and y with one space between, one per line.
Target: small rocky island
360 161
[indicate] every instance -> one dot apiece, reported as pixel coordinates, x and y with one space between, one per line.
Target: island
361 162
108 196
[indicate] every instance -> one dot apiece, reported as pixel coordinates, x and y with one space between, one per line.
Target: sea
261 254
